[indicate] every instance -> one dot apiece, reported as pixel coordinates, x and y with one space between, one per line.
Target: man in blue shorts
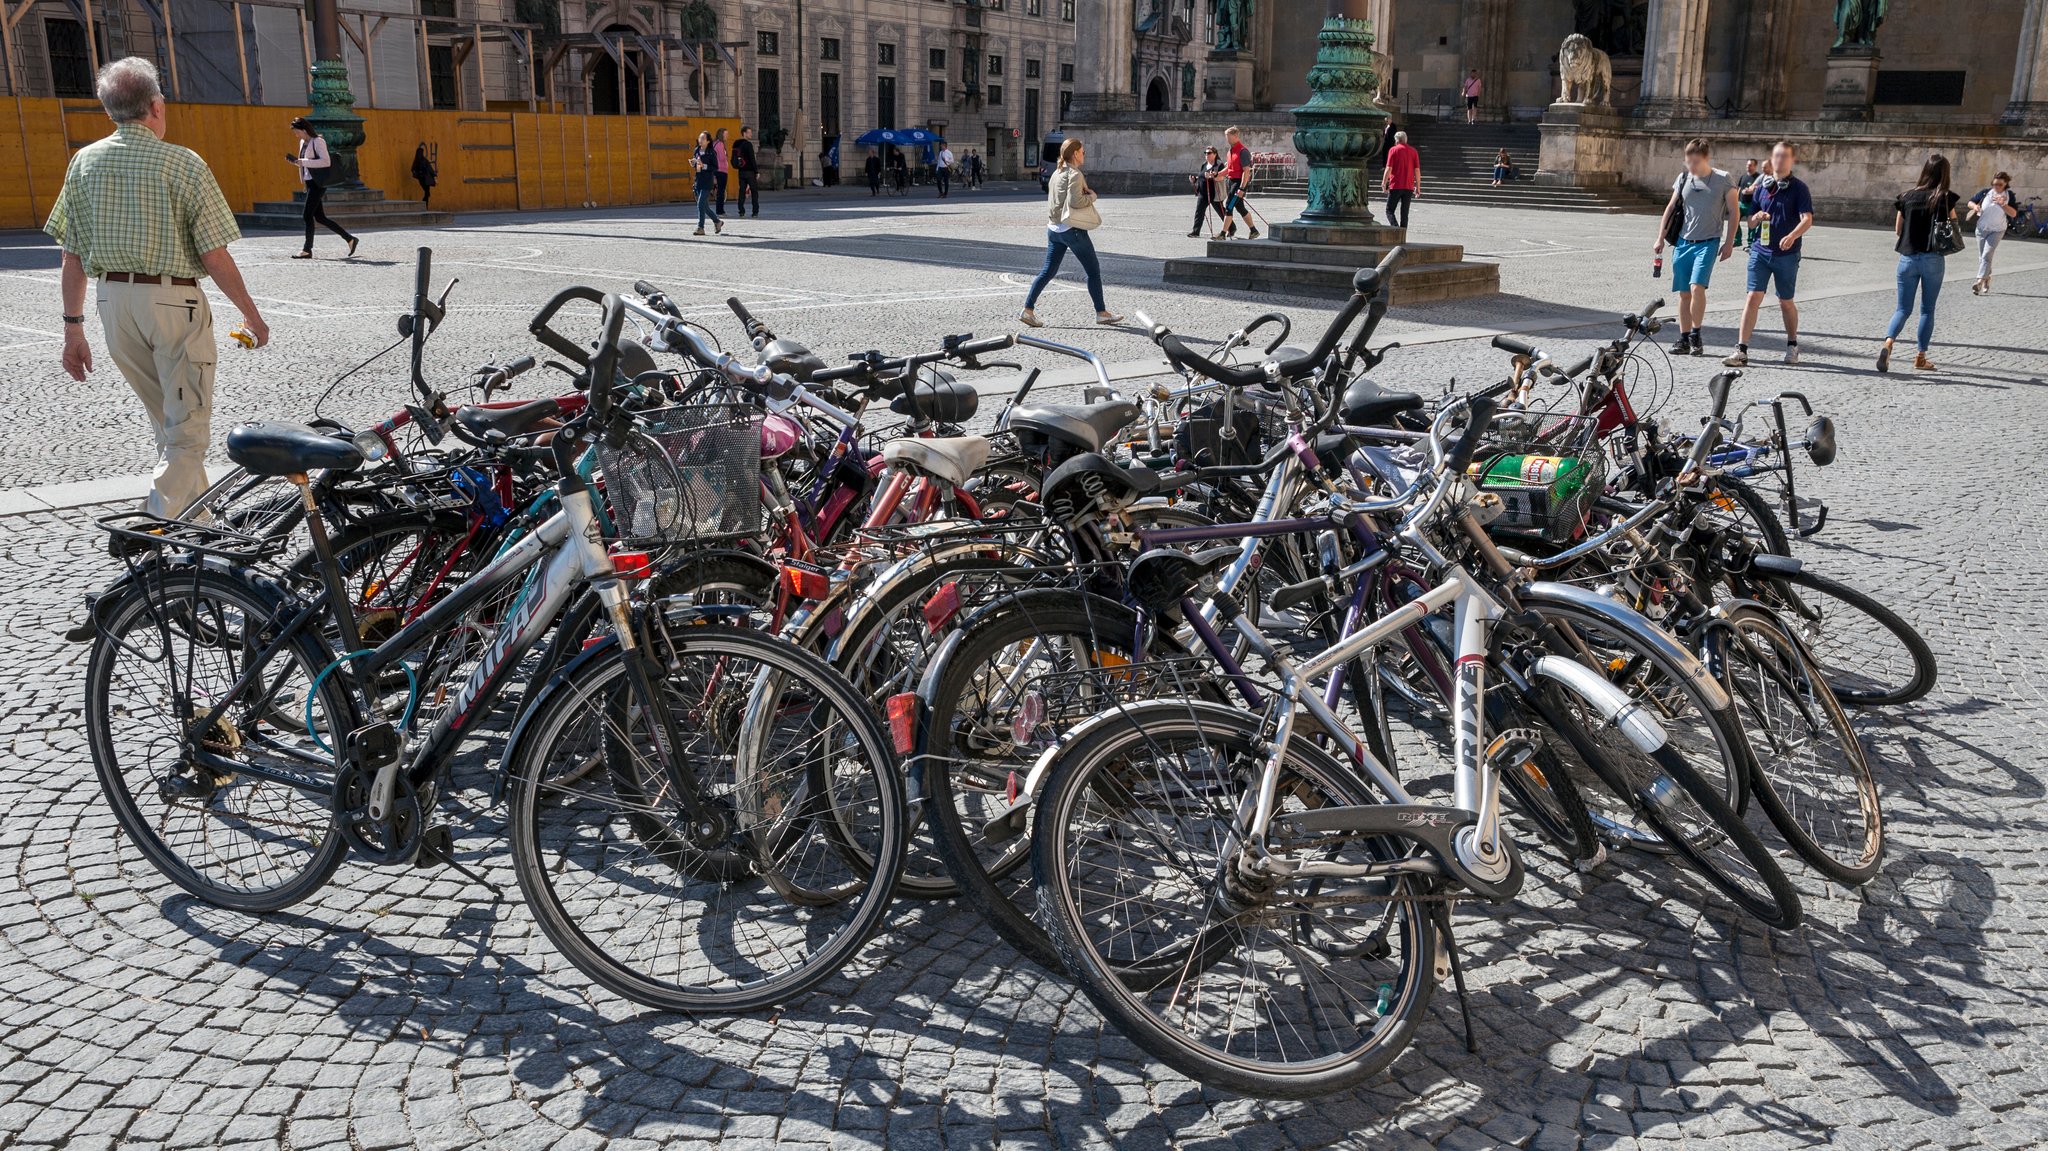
1784 213
1705 197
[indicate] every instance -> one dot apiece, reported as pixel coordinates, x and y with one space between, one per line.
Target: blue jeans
1057 245
1922 272
705 205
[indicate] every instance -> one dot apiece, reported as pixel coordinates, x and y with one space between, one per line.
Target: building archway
640 81
1155 95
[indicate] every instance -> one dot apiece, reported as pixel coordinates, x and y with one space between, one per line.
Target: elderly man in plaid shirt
146 219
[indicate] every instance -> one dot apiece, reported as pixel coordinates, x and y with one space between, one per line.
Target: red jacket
1404 168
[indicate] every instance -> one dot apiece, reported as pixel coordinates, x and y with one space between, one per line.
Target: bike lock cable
352 371
412 693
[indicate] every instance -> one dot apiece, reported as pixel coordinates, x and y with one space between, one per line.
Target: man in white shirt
945 171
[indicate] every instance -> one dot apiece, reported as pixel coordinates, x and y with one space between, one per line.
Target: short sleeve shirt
1705 200
1404 168
1919 210
133 203
1786 201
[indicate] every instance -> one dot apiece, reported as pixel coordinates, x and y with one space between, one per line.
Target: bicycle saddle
482 422
1091 482
1086 426
953 459
792 359
1369 405
277 449
942 398
1159 578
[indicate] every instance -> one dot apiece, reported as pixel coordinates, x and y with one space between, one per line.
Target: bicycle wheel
1284 989
257 840
1869 655
1813 779
779 744
1733 503
884 651
1029 669
1686 794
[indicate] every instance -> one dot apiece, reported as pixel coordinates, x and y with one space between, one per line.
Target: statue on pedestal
1585 73
1857 21
1231 18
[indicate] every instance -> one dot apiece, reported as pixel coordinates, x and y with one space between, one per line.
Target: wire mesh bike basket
1548 479
689 472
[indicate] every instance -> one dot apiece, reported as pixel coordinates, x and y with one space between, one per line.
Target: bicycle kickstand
437 849
1443 922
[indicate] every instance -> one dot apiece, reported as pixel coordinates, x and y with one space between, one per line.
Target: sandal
303 256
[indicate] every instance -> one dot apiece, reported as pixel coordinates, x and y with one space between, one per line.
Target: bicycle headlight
371 445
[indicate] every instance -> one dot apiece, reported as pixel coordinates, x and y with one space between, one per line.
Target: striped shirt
133 203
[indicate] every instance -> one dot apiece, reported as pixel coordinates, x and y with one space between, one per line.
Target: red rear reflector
1010 789
943 606
631 565
804 583
902 712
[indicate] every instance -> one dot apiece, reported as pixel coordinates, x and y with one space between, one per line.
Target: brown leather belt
152 281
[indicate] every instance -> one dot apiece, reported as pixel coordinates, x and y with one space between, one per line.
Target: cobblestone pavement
1618 1009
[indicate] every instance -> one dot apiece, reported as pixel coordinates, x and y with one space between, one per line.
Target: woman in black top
1205 194
704 161
424 173
1920 265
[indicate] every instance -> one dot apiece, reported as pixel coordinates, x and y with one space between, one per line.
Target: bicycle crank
392 836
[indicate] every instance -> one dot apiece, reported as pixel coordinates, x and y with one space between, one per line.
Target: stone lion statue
1587 75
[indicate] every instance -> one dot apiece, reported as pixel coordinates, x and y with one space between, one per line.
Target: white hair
127 87
1400 137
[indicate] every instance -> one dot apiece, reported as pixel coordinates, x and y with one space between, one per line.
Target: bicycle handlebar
755 329
1516 345
563 345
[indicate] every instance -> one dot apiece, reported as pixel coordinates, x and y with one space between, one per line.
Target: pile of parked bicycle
1153 684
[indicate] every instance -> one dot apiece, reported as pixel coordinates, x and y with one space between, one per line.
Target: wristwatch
74 319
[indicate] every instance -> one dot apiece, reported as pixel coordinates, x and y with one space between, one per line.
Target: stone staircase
353 208
1303 260
1457 168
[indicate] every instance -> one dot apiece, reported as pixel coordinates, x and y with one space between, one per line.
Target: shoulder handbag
324 175
1674 224
1943 236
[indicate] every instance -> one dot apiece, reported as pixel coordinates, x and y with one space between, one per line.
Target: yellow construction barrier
489 161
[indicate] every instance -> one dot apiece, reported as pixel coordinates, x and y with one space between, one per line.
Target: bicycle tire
1861 668
749 974
1694 811
1087 768
129 632
1813 777
1738 501
956 775
878 669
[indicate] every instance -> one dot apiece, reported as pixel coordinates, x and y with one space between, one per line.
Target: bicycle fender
1613 704
1626 618
870 597
1770 564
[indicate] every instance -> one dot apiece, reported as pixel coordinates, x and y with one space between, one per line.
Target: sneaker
698 232
1194 234
1253 235
1791 353
1884 357
1108 318
720 226
1684 345
1739 360
1030 319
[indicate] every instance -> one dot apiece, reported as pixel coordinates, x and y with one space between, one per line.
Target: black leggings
316 213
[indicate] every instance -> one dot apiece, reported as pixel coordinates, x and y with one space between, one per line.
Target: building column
1674 61
1102 62
1485 24
2029 103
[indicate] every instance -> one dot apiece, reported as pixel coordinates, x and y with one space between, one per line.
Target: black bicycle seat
481 422
1369 405
944 399
277 449
1086 426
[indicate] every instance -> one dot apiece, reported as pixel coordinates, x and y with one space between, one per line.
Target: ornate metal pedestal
1339 129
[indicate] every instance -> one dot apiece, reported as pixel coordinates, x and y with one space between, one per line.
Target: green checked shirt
133 203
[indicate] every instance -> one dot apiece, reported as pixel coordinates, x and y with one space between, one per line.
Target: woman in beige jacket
1070 216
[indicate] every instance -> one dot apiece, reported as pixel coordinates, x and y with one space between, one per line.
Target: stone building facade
991 75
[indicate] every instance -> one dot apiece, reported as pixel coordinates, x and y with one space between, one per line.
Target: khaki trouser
161 337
